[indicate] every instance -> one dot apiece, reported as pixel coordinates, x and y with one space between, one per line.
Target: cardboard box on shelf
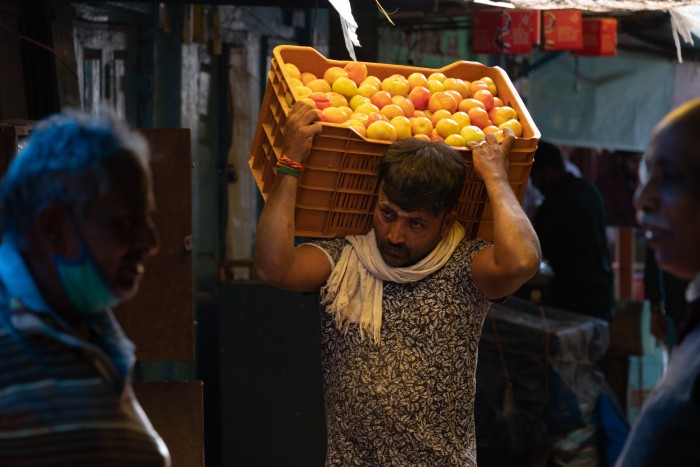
501 31
562 30
599 37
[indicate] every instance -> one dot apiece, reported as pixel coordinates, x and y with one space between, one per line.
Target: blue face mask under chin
83 282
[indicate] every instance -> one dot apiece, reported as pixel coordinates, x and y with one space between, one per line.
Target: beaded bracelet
287 161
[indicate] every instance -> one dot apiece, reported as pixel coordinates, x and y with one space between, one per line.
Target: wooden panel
160 319
175 409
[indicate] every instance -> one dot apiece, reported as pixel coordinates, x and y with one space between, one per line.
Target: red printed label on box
562 30
599 37
504 31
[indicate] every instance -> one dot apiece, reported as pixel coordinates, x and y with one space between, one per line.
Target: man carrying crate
402 306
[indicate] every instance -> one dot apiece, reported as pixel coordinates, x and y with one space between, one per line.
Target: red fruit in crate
442 100
485 96
321 100
357 71
380 98
420 96
479 117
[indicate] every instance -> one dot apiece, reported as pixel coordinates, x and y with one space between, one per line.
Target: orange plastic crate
337 189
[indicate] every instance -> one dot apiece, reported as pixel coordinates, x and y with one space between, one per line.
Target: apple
357 100
502 114
309 101
439 115
479 117
333 73
469 103
405 103
334 115
294 82
514 125
372 80
366 90
497 102
471 133
381 129
381 98
360 117
392 110
403 127
292 70
302 92
357 71
344 86
375 116
356 125
437 76
462 118
366 108
321 99
477 85
318 85
492 86
396 85
458 97
337 99
491 129
422 137
321 115
417 79
457 84
421 125
307 76
485 96
455 140
435 136
442 100
446 127
346 110
420 96
434 86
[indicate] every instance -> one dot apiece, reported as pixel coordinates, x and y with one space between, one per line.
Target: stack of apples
433 107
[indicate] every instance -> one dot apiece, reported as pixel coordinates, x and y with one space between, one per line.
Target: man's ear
447 222
52 227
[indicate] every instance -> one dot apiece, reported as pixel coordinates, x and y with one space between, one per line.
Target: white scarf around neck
353 293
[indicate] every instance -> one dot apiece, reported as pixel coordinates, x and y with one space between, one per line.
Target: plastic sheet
537 378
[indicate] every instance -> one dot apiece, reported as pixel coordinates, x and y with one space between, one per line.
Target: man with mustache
668 210
403 306
77 229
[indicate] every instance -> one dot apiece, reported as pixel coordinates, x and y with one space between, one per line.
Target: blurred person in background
668 209
570 223
77 205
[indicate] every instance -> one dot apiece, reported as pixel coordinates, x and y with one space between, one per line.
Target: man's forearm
274 240
516 247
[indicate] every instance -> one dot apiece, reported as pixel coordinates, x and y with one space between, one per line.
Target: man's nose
397 232
646 197
148 239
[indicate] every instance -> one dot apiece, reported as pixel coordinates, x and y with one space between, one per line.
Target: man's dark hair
548 156
420 174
